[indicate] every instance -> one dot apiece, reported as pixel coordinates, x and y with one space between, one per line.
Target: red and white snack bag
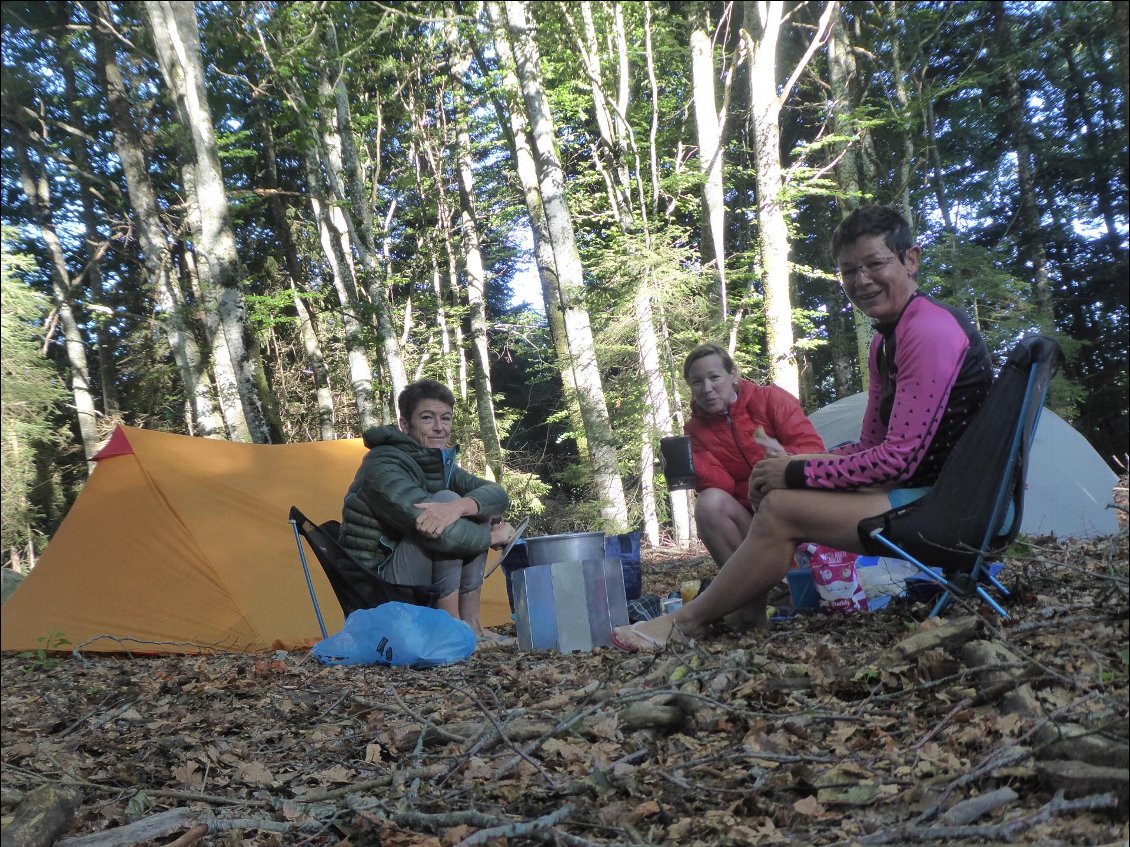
837 581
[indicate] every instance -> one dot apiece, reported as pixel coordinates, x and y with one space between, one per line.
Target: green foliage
29 391
43 658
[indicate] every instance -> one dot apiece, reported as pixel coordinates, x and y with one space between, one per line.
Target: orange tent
183 545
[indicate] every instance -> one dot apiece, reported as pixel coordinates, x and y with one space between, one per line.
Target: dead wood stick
1004 832
542 828
962 704
190 837
967 811
581 716
425 772
490 827
949 634
502 735
146 829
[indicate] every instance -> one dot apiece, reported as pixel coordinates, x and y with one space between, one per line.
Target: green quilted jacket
396 473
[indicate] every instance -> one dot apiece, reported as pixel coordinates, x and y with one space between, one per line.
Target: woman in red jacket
734 425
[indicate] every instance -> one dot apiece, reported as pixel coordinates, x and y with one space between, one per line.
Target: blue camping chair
974 510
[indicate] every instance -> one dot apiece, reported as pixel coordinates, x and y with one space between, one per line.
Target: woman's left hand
434 518
767 475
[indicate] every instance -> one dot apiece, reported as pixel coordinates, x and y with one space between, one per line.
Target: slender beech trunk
1031 230
590 391
459 62
665 420
525 166
176 40
204 419
36 188
94 243
419 151
349 200
360 368
761 32
709 124
762 29
842 79
620 163
307 332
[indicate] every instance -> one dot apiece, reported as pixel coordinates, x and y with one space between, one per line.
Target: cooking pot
568 547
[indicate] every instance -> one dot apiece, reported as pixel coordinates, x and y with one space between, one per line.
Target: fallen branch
1004 832
146 829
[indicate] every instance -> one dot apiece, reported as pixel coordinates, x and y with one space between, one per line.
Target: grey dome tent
1069 485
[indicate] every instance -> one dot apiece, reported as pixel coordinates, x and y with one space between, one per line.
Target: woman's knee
714 507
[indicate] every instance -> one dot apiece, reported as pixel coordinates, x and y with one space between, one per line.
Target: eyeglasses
872 268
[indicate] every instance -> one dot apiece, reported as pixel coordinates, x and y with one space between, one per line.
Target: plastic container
803 590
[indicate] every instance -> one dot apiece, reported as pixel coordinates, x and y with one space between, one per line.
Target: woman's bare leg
722 523
469 605
784 519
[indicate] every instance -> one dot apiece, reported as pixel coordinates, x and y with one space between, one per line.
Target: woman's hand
434 518
500 534
767 475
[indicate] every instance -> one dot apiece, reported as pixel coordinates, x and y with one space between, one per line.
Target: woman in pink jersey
929 373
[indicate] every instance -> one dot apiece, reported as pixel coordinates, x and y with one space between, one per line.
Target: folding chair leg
947 588
993 603
992 580
309 582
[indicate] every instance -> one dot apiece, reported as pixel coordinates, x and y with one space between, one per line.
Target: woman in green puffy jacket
413 516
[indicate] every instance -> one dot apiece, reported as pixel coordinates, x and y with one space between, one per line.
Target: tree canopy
259 220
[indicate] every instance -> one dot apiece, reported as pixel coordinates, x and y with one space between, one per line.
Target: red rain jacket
723 444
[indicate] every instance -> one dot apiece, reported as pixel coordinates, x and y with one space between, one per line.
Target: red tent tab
118 445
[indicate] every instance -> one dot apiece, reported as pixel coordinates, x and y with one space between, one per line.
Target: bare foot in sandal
647 636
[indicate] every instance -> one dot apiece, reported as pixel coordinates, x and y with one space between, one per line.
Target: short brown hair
704 350
425 389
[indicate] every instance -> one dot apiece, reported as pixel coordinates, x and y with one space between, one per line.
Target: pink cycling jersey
930 373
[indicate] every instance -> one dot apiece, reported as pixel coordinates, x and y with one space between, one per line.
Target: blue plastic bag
400 635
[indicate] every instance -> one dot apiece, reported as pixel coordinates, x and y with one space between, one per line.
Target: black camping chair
961 520
354 586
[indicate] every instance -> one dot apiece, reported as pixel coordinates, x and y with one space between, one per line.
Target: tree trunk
526 168
761 31
709 126
176 40
459 62
307 332
842 79
203 418
590 391
95 244
360 369
342 171
37 190
1031 236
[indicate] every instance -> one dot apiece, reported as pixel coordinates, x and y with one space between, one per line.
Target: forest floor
880 728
